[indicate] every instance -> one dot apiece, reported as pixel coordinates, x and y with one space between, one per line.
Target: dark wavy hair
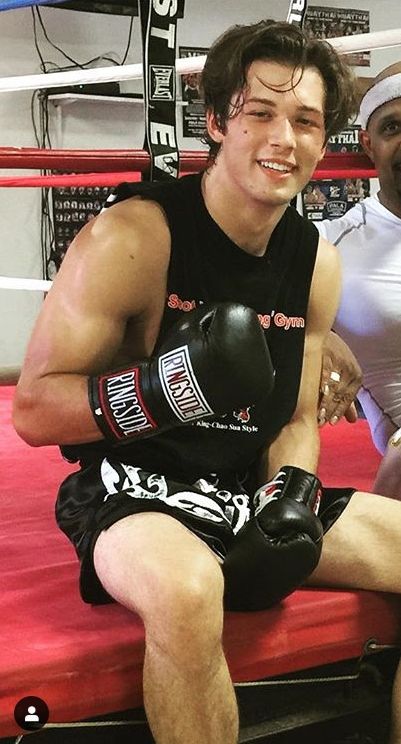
230 56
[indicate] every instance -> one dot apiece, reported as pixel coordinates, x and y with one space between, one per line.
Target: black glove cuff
293 482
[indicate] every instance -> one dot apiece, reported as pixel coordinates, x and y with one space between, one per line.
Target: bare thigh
150 561
362 548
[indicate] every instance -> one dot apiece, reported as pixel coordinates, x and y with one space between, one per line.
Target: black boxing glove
212 361
279 547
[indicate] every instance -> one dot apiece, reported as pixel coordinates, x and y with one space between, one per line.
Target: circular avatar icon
31 713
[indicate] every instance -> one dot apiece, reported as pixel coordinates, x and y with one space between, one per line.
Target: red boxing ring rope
90 160
69 179
113 179
101 166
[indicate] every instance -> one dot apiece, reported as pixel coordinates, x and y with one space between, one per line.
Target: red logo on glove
243 415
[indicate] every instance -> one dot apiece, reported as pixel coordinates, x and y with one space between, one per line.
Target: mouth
276 167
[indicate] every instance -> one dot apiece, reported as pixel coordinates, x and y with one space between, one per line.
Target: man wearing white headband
369 240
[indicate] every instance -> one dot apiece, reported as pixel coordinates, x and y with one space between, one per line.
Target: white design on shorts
127 478
221 506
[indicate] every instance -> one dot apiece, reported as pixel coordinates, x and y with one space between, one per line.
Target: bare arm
298 442
111 286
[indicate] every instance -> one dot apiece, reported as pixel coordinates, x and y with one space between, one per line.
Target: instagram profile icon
31 713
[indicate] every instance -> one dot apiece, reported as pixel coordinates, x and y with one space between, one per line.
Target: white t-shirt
368 238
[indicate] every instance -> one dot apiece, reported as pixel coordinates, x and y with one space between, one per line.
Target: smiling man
368 238
178 358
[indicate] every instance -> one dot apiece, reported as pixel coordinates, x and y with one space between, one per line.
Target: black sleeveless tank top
206 266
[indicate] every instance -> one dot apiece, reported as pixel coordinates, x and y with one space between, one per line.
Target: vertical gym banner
159 32
296 15
297 12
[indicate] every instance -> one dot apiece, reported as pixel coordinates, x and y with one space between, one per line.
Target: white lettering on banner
180 385
162 83
162 7
166 163
347 137
295 13
124 404
165 33
162 134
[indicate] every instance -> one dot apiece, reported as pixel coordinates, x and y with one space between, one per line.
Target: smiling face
382 142
272 145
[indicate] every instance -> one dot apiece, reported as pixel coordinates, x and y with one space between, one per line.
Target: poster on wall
346 141
72 208
332 198
326 23
193 110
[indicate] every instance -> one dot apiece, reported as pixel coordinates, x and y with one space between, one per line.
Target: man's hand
340 381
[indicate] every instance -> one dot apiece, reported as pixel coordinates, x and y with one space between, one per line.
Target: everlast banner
159 32
297 12
296 15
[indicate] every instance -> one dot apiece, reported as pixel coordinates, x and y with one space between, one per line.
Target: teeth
275 166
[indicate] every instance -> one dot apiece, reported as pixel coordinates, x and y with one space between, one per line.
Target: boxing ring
86 662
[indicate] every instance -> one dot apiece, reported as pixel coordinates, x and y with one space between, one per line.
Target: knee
176 588
187 603
183 617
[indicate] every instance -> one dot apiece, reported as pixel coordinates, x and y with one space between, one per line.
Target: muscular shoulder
135 224
122 252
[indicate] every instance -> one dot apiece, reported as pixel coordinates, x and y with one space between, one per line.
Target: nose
281 133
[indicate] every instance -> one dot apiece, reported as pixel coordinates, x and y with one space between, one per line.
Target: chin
278 200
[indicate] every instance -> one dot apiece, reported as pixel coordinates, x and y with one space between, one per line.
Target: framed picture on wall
193 110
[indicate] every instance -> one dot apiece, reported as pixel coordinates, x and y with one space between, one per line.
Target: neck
392 204
248 225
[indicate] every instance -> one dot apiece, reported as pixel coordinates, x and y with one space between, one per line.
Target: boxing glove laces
280 546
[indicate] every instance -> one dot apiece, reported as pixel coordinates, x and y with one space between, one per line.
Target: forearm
54 409
297 444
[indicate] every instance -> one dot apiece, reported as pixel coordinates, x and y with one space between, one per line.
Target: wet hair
229 58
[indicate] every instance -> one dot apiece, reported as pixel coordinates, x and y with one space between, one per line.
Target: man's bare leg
360 551
154 566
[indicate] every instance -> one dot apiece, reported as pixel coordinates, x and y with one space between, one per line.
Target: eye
391 127
306 122
259 114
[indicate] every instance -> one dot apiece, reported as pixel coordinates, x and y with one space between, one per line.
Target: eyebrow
269 102
389 117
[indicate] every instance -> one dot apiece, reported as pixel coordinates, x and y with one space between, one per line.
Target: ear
213 128
364 139
322 153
